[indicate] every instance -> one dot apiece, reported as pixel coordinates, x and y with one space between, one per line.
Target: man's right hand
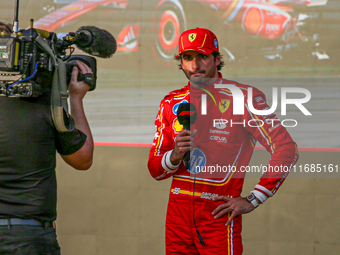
78 89
184 141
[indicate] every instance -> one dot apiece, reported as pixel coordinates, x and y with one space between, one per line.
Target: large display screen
264 43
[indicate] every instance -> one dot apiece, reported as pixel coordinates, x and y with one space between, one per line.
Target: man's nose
195 63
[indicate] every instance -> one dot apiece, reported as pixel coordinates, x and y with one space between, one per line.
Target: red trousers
181 234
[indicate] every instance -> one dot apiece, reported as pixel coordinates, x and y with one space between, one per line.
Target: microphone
95 41
186 115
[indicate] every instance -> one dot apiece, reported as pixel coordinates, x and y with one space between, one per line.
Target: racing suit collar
196 92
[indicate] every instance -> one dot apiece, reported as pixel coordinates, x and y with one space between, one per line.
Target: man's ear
218 60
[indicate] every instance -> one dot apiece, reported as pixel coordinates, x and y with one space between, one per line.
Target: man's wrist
167 164
251 198
173 161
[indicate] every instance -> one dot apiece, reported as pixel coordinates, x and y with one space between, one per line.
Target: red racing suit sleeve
159 164
269 131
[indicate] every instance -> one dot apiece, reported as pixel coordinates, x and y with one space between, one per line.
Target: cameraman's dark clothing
32 240
28 145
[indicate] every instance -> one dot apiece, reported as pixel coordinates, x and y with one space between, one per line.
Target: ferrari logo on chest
192 37
224 106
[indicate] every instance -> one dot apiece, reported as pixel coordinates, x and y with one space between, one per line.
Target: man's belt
27 222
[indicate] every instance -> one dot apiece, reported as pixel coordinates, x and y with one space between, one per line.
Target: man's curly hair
215 54
6 27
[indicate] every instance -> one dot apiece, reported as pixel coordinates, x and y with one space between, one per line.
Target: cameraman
28 145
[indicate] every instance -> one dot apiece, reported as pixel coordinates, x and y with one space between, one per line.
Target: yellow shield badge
192 37
176 126
224 106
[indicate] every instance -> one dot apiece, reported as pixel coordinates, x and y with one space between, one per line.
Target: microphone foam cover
103 44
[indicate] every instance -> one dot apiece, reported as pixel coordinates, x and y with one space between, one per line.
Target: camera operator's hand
82 159
79 88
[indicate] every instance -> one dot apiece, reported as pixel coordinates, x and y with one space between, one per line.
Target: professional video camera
33 61
28 58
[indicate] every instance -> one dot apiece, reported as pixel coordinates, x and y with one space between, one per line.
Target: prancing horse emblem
192 37
224 106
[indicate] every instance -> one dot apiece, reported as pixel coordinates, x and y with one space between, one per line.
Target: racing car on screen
246 28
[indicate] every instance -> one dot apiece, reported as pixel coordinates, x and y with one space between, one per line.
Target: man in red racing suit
205 207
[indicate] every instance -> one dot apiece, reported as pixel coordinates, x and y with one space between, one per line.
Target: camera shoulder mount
63 121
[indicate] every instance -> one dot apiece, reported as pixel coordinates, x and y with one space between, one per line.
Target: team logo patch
177 126
197 161
220 124
192 37
175 107
260 100
224 106
216 43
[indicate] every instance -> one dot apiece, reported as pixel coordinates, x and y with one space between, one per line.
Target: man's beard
202 81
